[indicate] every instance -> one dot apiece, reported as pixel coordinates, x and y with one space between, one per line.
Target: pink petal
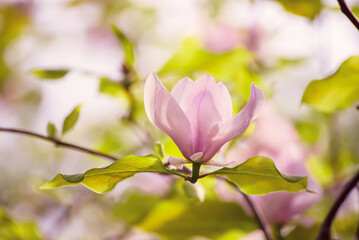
235 126
186 90
164 112
205 103
181 90
224 101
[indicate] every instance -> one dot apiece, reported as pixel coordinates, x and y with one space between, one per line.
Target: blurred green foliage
121 139
51 130
171 148
355 10
112 88
304 232
305 8
12 230
192 191
233 67
15 19
178 217
308 132
322 170
134 207
127 47
344 226
49 74
338 91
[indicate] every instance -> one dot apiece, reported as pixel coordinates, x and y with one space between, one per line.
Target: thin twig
253 209
59 143
251 205
324 233
346 10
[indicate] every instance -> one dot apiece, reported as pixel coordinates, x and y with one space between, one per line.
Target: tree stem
58 142
195 172
346 10
324 233
253 209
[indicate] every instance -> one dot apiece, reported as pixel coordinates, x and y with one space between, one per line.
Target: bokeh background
280 45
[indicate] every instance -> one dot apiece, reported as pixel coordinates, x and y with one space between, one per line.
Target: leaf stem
195 172
253 209
58 142
276 232
325 229
346 10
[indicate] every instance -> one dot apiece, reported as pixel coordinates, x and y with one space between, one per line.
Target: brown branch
324 233
350 15
253 209
59 143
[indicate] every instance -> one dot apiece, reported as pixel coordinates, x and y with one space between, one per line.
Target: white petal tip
219 163
197 156
177 161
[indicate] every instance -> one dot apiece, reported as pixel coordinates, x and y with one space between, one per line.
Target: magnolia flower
198 115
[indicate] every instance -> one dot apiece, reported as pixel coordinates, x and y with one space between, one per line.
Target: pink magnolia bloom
198 115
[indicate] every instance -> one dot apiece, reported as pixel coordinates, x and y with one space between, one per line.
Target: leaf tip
45 186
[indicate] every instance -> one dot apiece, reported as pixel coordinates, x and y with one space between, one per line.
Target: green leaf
305 8
71 119
101 180
112 88
127 46
49 73
258 175
181 219
336 92
51 130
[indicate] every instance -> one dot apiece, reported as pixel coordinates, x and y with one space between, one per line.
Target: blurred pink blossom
198 115
152 183
219 37
276 138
